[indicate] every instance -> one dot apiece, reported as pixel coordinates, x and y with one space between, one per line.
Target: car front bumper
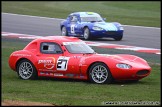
131 74
111 34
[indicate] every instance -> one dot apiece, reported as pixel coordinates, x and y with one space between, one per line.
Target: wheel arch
84 28
109 78
87 72
18 61
34 74
61 27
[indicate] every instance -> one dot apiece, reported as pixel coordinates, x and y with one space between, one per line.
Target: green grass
73 92
142 13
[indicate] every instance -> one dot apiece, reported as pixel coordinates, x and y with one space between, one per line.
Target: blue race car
90 25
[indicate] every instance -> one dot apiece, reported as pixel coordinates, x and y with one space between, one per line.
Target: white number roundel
62 63
72 29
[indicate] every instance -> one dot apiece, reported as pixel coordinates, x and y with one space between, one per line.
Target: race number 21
62 63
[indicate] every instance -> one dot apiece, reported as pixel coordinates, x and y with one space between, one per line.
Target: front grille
142 72
111 32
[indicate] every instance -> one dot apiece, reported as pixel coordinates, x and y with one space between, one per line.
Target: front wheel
99 73
86 33
119 38
26 70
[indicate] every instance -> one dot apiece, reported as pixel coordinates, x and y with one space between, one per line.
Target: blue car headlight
123 66
97 28
121 28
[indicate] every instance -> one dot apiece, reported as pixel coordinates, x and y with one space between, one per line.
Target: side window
50 48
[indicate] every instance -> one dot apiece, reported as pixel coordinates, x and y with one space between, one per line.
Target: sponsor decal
47 73
49 62
76 56
82 76
58 74
51 74
42 73
70 75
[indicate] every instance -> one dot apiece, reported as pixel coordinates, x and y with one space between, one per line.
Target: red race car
70 57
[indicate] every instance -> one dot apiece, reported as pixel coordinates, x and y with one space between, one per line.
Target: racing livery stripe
113 27
97 44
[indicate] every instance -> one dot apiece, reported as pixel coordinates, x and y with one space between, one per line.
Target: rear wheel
99 73
86 33
64 31
26 70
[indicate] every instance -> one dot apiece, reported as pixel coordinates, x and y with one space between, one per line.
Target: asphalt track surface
149 37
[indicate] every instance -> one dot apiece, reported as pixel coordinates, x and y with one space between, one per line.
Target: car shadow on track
99 39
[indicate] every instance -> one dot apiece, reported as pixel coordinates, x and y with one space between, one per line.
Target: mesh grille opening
142 72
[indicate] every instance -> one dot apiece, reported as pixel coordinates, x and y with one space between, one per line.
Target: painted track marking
97 44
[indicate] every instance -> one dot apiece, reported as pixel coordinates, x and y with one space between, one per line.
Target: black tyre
26 70
100 74
64 31
119 38
86 33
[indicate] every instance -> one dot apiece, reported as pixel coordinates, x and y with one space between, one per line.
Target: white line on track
34 16
143 27
102 45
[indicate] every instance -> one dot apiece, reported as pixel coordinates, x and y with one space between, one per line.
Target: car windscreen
91 19
78 47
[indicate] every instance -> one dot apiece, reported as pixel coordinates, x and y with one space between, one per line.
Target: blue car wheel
64 31
119 38
86 33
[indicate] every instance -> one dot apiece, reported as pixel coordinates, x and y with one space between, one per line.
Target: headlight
97 28
121 28
123 66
